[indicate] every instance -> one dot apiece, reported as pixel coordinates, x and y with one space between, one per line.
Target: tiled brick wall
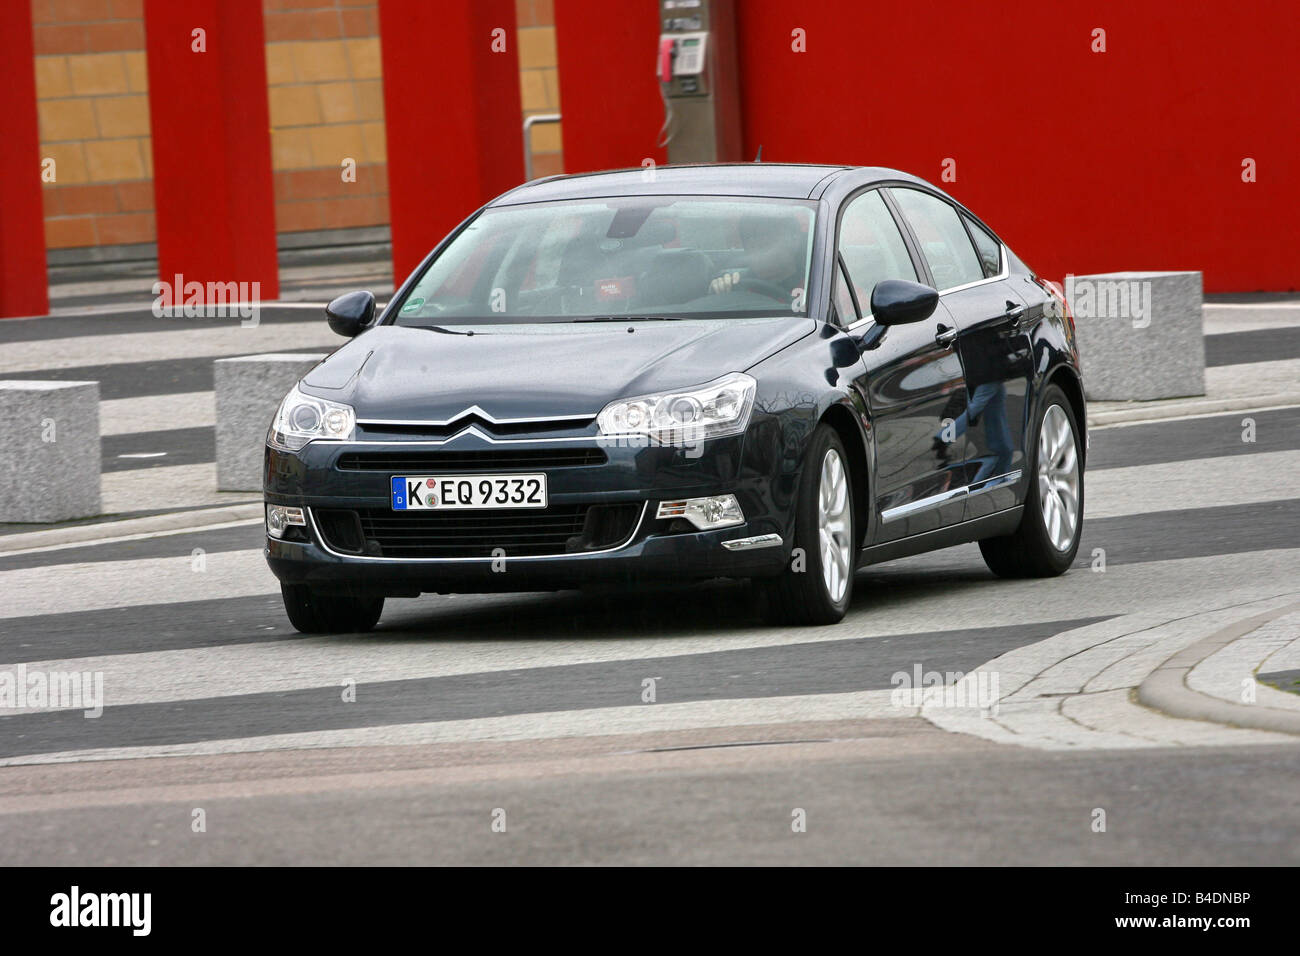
93 103
325 90
325 85
539 82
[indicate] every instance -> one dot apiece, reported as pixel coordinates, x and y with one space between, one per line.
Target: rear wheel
1048 537
817 585
315 612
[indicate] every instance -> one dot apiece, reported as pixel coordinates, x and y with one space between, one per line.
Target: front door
969 267
912 379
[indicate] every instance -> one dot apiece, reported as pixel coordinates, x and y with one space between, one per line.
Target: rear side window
986 245
944 241
871 246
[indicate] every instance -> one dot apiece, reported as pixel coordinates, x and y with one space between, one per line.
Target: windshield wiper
630 318
439 328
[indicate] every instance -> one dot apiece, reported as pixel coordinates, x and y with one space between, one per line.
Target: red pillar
608 88
452 115
211 142
23 289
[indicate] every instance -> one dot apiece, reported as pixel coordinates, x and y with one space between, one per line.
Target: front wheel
817 584
314 612
1045 543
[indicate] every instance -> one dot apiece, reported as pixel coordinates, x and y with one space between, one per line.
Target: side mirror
351 312
897 302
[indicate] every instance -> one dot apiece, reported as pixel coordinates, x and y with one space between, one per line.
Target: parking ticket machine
696 68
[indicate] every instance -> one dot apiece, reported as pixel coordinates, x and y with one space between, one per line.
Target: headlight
707 411
303 418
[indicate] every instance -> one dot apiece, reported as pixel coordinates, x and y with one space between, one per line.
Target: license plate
467 492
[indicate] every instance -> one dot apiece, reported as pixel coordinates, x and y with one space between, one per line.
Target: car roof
775 180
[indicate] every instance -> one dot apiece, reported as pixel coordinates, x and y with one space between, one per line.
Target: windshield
655 257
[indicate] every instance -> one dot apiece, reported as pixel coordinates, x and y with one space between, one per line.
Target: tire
804 594
1033 550
313 612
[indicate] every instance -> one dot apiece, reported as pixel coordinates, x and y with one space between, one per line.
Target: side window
871 246
944 242
989 249
844 307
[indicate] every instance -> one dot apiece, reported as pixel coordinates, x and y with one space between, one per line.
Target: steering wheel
763 287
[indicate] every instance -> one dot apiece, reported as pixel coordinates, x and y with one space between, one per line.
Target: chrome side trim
319 539
479 412
924 504
997 481
757 541
1006 271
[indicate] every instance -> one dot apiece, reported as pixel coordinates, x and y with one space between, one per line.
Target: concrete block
1140 334
248 391
49 451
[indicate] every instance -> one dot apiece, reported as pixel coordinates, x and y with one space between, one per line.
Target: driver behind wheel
774 250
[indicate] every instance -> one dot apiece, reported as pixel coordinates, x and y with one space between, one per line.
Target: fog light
706 514
280 517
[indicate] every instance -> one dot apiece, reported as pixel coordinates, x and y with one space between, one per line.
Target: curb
1165 689
105 531
1151 412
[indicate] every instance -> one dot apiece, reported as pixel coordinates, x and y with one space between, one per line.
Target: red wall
608 92
1084 162
452 116
211 143
22 228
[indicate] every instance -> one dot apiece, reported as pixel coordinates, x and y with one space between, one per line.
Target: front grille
538 427
444 462
557 530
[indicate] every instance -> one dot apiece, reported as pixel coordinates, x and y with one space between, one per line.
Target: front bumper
636 477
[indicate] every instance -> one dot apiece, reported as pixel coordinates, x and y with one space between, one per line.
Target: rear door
911 377
969 266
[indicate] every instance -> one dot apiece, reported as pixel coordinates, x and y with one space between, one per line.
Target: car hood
538 371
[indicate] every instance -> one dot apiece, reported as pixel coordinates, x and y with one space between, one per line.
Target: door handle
945 336
1015 312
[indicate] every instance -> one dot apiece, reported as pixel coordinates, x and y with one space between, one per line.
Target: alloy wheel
834 525
1058 478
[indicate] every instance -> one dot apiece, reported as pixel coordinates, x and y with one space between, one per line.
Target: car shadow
648 610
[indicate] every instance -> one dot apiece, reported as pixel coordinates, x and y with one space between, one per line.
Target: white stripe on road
1252 379
100 585
598 722
152 413
1239 319
166 487
1162 587
1193 483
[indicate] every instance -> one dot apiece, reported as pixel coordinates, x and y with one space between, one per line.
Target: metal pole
529 122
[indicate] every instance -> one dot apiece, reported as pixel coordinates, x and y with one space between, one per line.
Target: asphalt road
873 792
532 704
